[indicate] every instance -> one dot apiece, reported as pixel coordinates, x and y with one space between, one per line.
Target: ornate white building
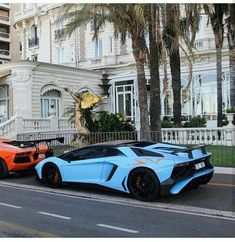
36 89
42 39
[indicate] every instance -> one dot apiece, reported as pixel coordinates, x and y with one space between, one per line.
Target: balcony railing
33 42
4 35
59 33
4 52
198 44
4 18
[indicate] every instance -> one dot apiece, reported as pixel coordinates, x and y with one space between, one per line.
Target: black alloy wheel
51 176
3 169
143 184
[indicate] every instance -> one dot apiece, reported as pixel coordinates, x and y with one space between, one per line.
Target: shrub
195 122
231 110
166 123
109 122
225 120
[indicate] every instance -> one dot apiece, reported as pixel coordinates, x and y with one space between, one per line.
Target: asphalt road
29 209
28 213
218 194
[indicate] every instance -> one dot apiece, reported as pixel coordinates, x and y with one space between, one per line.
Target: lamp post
105 83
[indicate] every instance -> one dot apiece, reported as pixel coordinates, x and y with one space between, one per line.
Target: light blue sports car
146 170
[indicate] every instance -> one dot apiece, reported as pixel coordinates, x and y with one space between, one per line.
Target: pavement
225 170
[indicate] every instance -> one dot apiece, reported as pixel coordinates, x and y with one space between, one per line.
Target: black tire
143 184
51 176
3 169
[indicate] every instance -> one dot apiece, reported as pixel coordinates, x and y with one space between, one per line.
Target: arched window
50 103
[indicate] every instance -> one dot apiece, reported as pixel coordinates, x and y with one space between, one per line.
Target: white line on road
118 228
55 215
9 205
183 209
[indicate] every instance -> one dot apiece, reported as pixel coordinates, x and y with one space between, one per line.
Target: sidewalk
224 170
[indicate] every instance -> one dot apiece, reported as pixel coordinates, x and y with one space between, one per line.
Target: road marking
54 215
118 228
183 209
9 205
221 184
25 230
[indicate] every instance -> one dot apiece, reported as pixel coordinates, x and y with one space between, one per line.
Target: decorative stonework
21 78
51 79
49 87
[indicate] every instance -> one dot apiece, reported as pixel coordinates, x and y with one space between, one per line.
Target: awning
4 73
49 87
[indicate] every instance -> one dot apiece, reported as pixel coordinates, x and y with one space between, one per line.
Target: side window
84 154
142 152
113 152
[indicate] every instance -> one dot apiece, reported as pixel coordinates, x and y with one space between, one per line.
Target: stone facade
39 32
33 87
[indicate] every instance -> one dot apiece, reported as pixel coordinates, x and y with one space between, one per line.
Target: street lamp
105 83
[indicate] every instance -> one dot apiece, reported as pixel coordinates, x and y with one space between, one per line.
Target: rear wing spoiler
189 150
37 141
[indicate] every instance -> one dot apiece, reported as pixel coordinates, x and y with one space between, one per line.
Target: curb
224 170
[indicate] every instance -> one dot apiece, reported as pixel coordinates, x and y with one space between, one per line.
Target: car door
84 165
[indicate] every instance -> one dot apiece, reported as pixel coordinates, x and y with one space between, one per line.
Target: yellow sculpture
89 99
83 101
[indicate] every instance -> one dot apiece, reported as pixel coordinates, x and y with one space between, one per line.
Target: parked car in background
130 168
22 155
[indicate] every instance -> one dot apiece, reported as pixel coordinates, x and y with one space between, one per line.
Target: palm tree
179 22
231 42
172 33
128 20
216 14
152 15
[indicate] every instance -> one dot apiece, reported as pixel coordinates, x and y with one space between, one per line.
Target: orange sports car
22 155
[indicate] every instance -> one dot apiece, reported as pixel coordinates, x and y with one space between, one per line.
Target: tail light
23 154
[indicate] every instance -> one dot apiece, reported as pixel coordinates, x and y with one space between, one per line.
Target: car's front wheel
51 176
143 184
3 169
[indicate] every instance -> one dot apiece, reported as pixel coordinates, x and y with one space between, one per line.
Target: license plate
41 156
200 165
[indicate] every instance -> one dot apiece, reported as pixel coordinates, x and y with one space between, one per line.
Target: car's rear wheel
143 184
3 169
51 176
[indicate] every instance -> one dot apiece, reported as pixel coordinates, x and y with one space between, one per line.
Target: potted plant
230 116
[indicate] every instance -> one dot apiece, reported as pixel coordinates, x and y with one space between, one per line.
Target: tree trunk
219 87
176 86
231 42
155 101
232 76
139 55
174 55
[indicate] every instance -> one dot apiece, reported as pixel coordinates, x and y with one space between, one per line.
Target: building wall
79 51
9 40
15 45
28 81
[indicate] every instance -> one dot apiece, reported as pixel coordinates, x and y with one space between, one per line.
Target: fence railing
8 128
222 153
17 125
